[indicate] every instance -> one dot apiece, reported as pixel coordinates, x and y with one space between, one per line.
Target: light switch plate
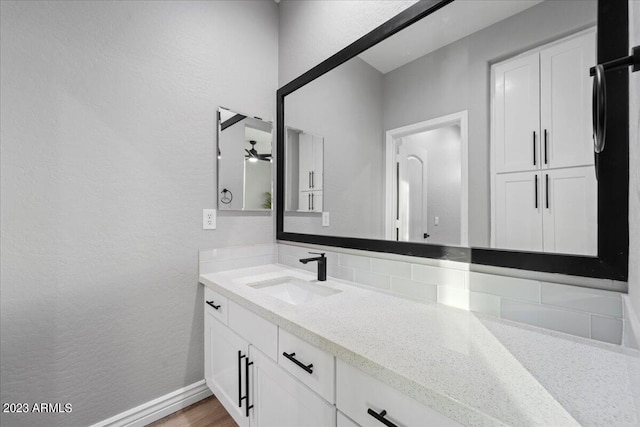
208 219
325 219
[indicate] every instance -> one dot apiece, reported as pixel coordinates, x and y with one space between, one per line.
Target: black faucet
322 265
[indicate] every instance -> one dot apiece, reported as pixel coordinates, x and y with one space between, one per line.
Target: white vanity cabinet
241 368
371 403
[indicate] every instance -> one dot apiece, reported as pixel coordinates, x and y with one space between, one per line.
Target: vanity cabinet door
225 353
305 165
310 201
279 400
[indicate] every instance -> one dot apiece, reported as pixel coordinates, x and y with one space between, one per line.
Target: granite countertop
473 368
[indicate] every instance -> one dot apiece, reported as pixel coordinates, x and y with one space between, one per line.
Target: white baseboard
158 408
631 325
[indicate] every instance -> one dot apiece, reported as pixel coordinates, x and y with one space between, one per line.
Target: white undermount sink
293 290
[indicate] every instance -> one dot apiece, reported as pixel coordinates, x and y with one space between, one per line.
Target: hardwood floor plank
206 413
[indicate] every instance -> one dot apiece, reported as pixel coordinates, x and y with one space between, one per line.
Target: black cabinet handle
308 368
381 417
246 384
313 184
211 303
534 148
546 177
240 398
309 179
536 192
546 146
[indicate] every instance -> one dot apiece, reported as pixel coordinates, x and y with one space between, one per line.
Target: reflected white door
412 194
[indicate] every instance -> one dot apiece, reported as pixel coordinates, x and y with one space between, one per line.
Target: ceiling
453 22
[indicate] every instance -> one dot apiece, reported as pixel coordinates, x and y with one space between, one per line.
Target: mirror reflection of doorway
427 195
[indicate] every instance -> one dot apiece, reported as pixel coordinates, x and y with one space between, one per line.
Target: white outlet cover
325 219
209 219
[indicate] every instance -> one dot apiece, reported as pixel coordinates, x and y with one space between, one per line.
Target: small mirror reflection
244 162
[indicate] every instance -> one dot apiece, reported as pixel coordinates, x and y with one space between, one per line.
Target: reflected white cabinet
542 149
517 114
554 210
518 212
310 168
569 214
541 107
311 162
310 201
565 102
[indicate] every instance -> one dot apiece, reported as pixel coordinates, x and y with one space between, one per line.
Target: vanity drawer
216 305
321 377
253 328
357 393
343 421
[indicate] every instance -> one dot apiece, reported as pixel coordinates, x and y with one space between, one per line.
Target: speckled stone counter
475 369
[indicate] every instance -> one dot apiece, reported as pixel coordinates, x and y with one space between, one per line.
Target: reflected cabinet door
517 114
570 219
518 211
565 110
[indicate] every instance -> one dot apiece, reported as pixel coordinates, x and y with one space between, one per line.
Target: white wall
107 159
634 164
231 165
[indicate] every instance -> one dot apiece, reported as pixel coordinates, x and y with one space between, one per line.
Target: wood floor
206 413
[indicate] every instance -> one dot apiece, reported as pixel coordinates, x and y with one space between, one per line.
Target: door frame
459 118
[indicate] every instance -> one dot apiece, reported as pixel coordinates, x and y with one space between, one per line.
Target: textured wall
634 163
107 159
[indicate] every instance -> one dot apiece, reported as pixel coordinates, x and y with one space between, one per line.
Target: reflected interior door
412 194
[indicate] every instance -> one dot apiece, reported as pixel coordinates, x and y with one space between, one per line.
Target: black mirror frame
613 163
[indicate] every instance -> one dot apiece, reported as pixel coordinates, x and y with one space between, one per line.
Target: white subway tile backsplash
391 268
606 329
413 289
519 289
237 252
571 322
355 261
453 297
232 264
344 273
438 276
484 303
372 279
582 299
581 311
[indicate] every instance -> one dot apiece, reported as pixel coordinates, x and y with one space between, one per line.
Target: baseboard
631 325
158 408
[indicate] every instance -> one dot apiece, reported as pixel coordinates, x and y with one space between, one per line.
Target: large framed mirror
244 162
461 130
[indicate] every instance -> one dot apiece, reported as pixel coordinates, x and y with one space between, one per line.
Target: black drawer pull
211 303
308 368
380 417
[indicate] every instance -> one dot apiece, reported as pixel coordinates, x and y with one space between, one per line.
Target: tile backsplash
585 312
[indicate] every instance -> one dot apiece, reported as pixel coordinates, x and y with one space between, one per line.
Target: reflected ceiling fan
253 154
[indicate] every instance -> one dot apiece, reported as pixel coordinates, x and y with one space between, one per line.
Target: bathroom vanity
283 349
